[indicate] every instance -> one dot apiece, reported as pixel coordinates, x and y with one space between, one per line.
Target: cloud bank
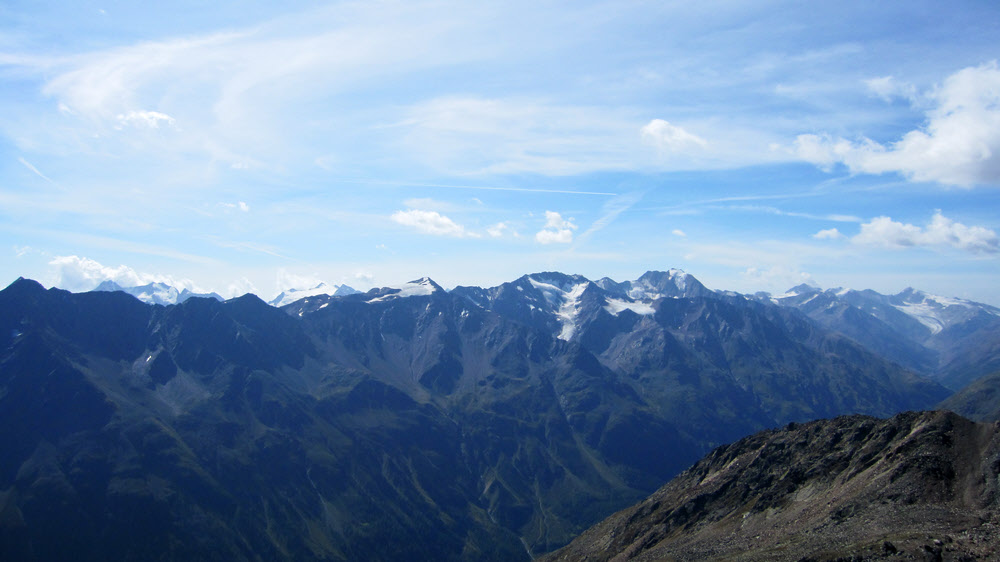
941 231
959 145
76 274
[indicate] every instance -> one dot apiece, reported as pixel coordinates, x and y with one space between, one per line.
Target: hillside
918 486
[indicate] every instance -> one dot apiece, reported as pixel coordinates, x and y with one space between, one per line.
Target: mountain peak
803 289
425 286
673 283
23 284
426 282
288 296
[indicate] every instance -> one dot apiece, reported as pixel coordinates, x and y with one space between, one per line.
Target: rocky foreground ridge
918 486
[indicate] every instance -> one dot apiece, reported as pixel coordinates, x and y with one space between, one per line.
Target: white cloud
941 231
678 232
555 220
241 205
239 288
821 150
828 234
239 93
75 273
670 138
776 278
286 280
554 236
21 251
497 230
887 88
556 230
431 222
144 119
960 145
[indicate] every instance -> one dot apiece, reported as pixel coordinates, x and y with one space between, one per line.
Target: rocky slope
918 486
979 401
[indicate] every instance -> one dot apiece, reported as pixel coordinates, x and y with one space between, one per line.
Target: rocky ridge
918 486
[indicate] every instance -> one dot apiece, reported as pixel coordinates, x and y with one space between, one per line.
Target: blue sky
756 145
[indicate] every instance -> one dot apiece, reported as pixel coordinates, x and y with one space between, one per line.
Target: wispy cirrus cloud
609 212
478 135
834 217
889 88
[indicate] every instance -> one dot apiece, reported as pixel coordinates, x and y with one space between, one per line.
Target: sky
250 147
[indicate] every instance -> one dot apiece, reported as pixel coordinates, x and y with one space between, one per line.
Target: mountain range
477 423
156 292
954 341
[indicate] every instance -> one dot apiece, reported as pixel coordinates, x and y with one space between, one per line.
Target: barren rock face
918 486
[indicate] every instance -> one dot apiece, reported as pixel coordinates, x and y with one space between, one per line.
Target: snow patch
616 306
551 292
937 312
924 314
419 288
568 311
679 278
643 290
293 295
566 302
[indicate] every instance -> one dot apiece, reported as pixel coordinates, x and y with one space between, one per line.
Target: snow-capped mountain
949 339
157 293
291 295
417 288
934 313
953 340
420 287
562 303
653 285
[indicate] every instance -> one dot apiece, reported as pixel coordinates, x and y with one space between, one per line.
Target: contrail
480 187
34 169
